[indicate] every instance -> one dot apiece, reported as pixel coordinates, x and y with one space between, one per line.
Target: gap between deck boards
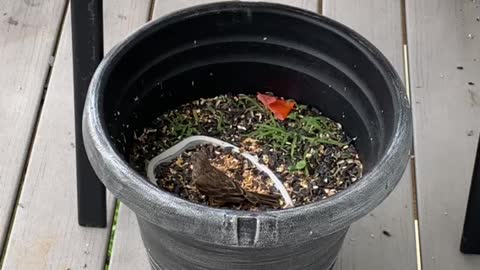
406 64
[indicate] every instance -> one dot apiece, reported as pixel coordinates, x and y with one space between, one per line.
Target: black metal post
471 229
87 50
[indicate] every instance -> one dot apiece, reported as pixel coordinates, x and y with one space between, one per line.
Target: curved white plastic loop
192 141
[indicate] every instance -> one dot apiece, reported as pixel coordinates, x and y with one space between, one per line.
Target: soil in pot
310 153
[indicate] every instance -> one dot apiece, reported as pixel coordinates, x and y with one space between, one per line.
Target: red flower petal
265 99
279 107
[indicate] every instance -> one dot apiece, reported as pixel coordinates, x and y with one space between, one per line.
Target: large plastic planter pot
243 48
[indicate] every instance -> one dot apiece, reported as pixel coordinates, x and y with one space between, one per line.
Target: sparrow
221 189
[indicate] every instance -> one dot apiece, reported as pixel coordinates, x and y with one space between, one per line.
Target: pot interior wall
244 52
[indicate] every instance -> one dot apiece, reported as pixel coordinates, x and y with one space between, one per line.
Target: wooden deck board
163 7
27 39
128 250
366 246
45 232
446 121
311 5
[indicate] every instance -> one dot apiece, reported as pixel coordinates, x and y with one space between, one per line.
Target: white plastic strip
192 141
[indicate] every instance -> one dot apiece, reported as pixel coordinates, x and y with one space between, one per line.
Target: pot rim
317 219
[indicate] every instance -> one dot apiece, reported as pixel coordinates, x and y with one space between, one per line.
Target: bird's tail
257 198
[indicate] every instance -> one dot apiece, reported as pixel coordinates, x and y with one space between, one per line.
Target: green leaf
301 165
293 146
292 116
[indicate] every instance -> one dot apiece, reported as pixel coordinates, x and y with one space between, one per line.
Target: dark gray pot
245 47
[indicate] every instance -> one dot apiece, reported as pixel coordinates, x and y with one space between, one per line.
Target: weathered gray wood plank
311 5
28 33
163 7
366 246
444 35
128 250
45 234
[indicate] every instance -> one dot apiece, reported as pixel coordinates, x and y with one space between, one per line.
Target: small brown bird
221 189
